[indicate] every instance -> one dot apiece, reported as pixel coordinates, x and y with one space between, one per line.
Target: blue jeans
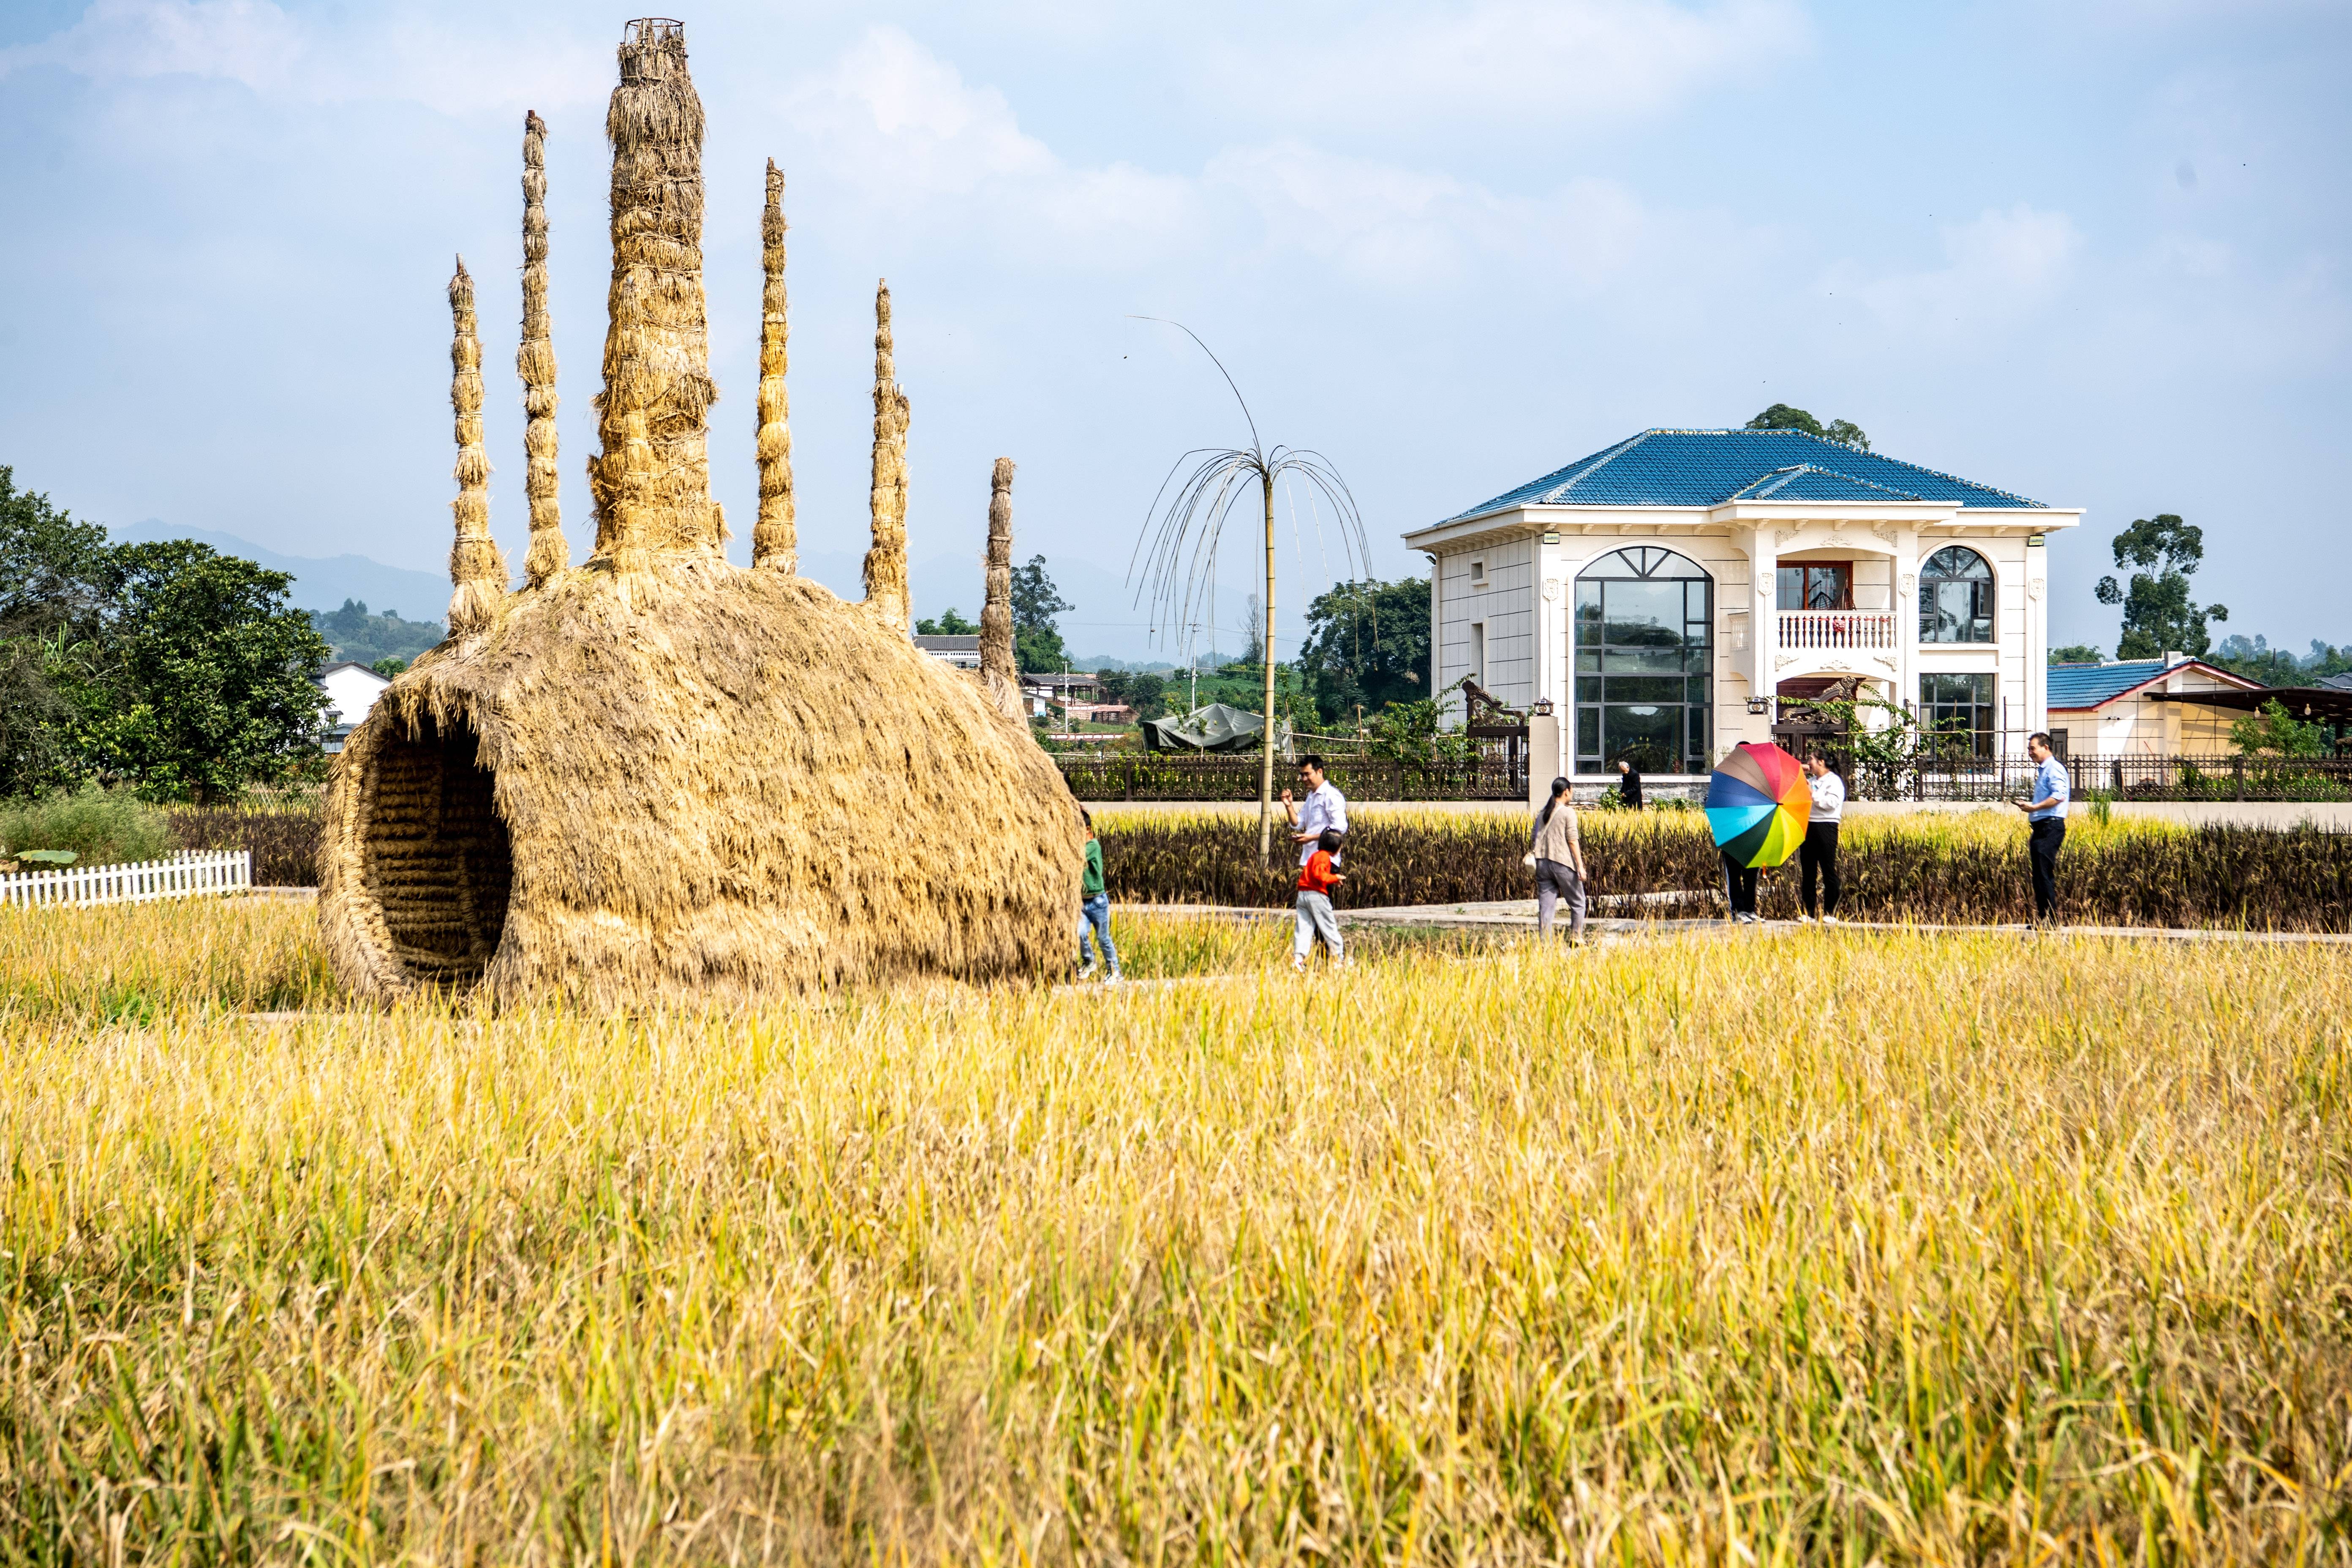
1094 915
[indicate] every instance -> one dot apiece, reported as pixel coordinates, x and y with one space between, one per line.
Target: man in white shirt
2046 814
1817 856
1324 807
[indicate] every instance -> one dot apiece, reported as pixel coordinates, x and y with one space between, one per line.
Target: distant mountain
319 584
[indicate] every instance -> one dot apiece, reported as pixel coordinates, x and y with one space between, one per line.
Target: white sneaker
1088 972
1804 920
1112 979
1829 920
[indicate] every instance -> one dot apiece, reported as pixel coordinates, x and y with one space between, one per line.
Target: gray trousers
1316 918
1554 880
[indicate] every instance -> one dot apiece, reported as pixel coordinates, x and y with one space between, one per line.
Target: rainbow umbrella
1758 802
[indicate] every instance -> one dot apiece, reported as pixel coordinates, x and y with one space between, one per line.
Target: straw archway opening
437 859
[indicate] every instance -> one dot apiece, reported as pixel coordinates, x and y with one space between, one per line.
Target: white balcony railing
1841 631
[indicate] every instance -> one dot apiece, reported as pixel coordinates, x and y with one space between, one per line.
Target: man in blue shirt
2046 811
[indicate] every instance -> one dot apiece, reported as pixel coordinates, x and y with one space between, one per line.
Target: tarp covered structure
1214 728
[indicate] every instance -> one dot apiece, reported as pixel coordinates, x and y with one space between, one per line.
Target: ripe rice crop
1939 868
282 835
1836 1248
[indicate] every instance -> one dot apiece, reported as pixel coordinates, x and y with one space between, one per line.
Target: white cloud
2002 265
1514 62
469 70
902 129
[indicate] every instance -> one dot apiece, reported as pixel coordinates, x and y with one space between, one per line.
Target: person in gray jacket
1559 865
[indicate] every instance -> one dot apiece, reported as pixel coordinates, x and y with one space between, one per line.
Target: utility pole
1192 657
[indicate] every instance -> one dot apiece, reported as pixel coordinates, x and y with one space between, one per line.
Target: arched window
1644 670
1956 596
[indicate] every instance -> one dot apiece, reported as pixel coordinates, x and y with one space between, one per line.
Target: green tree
364 637
53 589
2272 732
1782 417
950 625
1368 645
1036 640
2158 615
217 674
2074 653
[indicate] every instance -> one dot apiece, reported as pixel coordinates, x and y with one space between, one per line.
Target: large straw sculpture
658 774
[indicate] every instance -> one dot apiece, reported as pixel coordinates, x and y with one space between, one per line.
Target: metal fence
1142 776
182 876
2207 778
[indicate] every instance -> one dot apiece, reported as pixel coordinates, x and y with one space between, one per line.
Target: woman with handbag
1558 857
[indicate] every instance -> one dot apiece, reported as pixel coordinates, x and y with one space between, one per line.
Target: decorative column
1764 627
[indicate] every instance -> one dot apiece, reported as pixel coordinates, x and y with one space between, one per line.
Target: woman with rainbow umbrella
1756 805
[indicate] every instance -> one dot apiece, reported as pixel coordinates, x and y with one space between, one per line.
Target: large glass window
1816 585
1956 596
1958 709
1643 662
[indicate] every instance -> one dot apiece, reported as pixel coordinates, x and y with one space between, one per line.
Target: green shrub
100 826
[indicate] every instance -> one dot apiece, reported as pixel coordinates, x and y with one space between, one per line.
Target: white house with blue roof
1660 593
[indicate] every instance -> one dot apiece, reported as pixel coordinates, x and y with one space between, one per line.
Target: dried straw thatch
772 540
886 558
535 363
999 671
658 774
477 570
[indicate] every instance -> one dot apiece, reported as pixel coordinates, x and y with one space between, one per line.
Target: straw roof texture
477 570
657 774
723 783
773 542
535 364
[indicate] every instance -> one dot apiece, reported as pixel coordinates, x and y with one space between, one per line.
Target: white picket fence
184 875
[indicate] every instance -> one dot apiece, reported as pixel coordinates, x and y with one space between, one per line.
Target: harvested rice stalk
773 542
651 481
885 559
476 568
997 671
535 363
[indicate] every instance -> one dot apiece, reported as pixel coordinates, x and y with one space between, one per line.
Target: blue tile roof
1707 467
1803 481
2088 685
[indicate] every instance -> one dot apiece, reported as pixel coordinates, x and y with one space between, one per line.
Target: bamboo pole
535 363
477 570
774 542
1266 774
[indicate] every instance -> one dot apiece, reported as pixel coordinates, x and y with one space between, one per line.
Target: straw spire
885 560
475 569
773 542
651 480
996 660
535 363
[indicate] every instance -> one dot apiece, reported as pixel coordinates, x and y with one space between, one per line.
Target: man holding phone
2046 811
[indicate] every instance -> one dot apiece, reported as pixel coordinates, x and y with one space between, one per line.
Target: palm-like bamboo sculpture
1178 551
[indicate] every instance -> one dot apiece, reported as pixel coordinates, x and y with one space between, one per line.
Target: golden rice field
1836 1248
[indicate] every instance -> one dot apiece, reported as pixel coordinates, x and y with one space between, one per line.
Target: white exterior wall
352 691
1505 605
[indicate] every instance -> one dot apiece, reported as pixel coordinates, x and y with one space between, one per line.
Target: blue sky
2094 253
